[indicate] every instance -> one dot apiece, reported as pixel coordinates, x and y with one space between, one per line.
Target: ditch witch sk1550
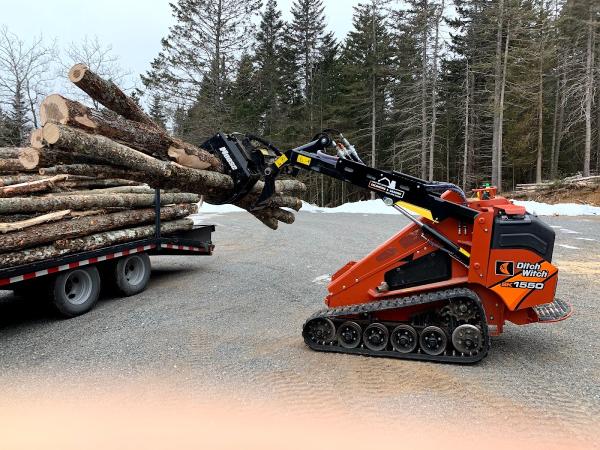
438 289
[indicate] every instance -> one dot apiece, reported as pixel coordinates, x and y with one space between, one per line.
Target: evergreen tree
157 110
306 34
198 56
269 76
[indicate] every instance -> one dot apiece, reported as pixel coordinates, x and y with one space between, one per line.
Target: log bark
93 184
112 190
96 171
33 221
11 166
147 139
85 226
66 246
34 158
108 94
9 180
31 187
10 152
24 205
37 138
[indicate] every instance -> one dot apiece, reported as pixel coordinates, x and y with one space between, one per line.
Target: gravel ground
233 321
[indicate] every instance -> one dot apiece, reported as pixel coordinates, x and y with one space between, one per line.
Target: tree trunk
497 89
500 149
24 205
65 246
434 92
560 126
589 84
466 138
540 140
33 158
108 94
424 92
554 129
31 186
18 225
85 226
145 138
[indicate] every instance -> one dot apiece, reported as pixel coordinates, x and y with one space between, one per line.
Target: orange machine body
509 280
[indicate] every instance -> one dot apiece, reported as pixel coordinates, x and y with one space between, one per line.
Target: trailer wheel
132 273
76 292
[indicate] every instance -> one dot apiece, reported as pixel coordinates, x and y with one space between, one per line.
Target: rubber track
398 303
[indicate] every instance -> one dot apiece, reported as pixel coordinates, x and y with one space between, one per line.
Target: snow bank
218 209
366 207
560 209
378 207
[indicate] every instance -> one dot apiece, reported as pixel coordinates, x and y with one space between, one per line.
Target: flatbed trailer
74 282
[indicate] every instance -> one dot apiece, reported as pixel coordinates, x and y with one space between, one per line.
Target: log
66 246
9 152
37 138
9 180
34 158
108 94
24 205
147 139
85 226
10 166
111 190
31 187
95 171
215 186
94 184
33 221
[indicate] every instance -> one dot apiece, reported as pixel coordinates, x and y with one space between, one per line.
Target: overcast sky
133 27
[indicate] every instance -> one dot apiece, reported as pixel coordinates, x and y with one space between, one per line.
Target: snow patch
219 209
560 209
365 207
323 279
378 207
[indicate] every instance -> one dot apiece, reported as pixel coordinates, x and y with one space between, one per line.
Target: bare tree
99 57
24 78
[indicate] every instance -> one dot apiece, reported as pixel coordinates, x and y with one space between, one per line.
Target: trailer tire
76 292
131 274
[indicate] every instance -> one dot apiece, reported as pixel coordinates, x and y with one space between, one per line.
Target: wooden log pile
573 181
89 176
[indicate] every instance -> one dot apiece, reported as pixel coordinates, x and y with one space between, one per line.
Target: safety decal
281 161
304 160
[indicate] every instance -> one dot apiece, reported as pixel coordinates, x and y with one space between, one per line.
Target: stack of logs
88 179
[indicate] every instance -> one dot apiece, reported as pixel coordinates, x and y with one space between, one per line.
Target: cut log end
29 158
37 138
77 72
51 133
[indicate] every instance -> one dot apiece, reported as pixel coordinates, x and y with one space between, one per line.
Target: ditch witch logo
505 268
528 270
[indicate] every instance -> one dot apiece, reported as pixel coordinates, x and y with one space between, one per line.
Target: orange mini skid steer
442 286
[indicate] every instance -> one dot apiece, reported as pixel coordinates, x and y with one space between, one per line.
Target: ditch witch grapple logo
528 270
386 186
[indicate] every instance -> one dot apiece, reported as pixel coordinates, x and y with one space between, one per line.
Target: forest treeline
499 91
